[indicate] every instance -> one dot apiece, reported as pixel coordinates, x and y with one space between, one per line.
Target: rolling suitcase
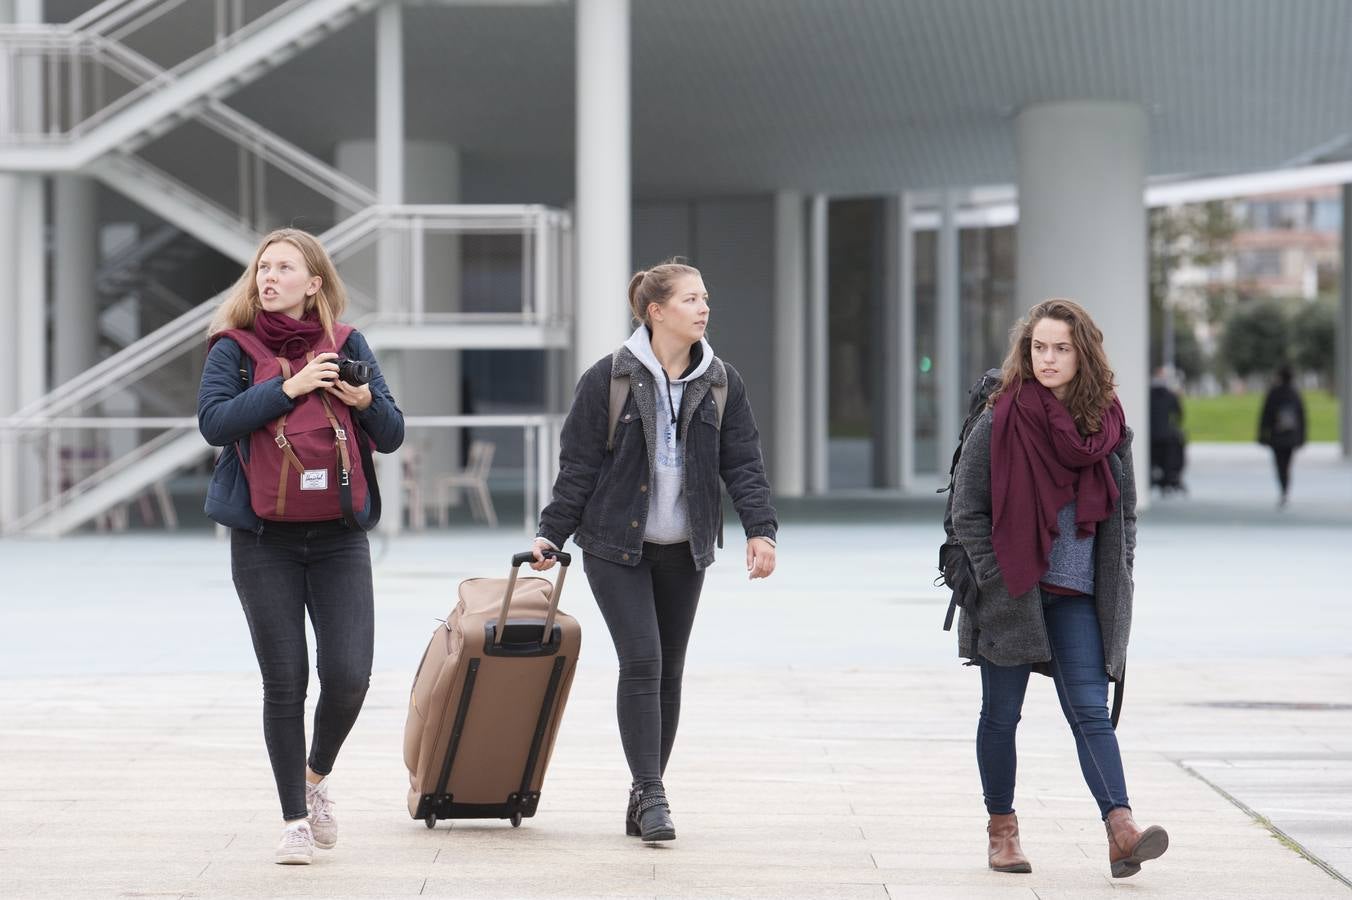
488 698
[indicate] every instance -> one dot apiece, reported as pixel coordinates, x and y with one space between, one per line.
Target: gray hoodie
668 519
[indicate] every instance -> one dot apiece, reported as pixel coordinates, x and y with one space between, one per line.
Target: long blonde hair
1092 389
242 304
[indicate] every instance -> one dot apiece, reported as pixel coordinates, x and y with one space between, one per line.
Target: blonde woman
638 491
295 486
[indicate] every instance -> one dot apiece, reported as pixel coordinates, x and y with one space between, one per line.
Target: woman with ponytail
653 429
1045 505
295 486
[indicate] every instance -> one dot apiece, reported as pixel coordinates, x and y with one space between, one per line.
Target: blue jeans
650 610
1081 686
280 574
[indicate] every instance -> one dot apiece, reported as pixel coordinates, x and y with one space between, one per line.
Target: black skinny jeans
1282 457
289 568
649 609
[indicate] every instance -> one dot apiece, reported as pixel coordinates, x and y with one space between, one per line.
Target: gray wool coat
1010 631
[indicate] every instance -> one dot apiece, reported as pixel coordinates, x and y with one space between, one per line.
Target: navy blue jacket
601 496
230 406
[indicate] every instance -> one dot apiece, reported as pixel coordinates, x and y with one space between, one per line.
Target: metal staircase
86 100
539 319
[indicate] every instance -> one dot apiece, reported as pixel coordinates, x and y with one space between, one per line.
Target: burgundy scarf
289 338
1039 463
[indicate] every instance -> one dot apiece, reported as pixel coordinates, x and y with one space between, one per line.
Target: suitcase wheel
516 820
431 820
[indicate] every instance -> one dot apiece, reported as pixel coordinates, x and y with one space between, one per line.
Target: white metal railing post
528 464
417 270
540 294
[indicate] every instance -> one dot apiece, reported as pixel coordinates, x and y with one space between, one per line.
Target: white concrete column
604 200
818 350
1082 234
1342 372
948 327
788 458
75 320
390 191
895 441
9 347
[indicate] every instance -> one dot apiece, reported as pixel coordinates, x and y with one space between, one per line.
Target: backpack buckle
281 441
340 433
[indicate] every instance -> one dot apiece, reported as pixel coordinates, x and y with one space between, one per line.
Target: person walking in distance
1044 505
1281 426
653 429
296 422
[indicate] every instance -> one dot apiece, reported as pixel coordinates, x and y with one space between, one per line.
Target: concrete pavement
826 747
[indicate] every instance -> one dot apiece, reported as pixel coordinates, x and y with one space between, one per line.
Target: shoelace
321 807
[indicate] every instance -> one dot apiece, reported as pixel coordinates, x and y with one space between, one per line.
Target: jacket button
628 416
624 556
633 524
643 489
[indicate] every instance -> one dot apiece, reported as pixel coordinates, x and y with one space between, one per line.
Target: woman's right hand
542 563
319 372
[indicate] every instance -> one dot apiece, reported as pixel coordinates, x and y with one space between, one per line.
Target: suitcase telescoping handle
517 562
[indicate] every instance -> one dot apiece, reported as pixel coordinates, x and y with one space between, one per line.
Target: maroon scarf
289 338
1039 463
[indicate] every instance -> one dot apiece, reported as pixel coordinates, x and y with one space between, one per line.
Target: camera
354 371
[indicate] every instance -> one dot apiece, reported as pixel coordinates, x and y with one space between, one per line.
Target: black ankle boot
649 814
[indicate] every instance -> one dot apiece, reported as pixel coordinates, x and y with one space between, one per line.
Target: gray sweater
1010 631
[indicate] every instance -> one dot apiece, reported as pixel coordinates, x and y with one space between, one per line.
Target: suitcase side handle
517 561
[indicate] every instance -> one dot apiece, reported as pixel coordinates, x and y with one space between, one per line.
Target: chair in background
473 479
410 459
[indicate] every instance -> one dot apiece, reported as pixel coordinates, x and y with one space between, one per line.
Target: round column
1082 234
603 179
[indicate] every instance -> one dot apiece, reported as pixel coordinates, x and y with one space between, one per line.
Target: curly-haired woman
1045 506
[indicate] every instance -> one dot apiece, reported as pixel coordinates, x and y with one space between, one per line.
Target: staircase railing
86 69
512 267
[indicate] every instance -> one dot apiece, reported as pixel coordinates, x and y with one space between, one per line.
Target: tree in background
1197 234
1314 330
1257 338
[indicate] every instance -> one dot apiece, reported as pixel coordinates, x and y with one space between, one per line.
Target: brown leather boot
1005 854
1129 845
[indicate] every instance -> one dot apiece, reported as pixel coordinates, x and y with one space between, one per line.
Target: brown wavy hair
656 285
1092 389
242 303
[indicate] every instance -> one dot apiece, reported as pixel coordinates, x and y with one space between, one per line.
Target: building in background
872 189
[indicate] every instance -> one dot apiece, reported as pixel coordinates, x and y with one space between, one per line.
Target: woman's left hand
358 398
760 558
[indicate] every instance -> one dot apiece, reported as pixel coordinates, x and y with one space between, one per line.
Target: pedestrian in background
638 490
1166 434
1281 426
1044 504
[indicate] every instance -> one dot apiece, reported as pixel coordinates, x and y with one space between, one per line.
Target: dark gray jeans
291 568
649 609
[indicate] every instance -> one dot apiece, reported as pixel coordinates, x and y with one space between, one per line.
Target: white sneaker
322 824
297 846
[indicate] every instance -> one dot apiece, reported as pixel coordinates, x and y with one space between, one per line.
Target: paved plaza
826 745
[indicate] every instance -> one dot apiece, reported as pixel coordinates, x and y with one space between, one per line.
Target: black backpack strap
1117 698
952 608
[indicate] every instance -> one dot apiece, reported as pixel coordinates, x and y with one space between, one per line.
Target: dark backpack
311 464
955 569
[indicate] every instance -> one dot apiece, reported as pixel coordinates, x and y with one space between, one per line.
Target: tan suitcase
487 700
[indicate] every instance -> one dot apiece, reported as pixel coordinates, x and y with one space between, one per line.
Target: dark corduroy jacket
230 407
601 497
1010 631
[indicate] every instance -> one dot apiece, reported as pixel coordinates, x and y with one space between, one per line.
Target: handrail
94 479
347 235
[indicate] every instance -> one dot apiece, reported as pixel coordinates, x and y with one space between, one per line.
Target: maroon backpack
300 467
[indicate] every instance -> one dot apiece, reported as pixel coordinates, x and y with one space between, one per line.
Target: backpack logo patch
314 480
